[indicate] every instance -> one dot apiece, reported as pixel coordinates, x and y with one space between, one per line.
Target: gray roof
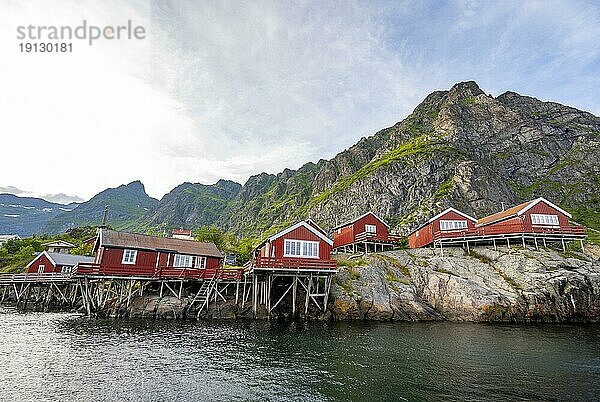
154 243
69 259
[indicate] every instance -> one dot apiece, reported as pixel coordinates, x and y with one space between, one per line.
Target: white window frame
129 257
41 268
66 269
448 225
200 262
370 228
545 220
182 261
300 248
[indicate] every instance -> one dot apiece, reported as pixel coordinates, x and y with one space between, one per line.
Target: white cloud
230 89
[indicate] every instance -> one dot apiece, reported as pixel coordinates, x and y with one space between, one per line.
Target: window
544 220
129 256
370 228
339 231
65 270
182 261
200 262
453 225
41 268
301 248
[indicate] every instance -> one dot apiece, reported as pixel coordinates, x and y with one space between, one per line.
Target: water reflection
62 356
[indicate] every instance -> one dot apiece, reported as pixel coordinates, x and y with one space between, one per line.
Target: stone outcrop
506 285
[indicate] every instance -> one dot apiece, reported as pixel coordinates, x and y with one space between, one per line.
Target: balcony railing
291 263
509 229
160 272
30 277
377 238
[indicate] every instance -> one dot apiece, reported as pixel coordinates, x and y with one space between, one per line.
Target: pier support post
294 290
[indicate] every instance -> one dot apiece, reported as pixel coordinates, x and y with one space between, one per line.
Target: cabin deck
294 265
366 241
156 273
492 235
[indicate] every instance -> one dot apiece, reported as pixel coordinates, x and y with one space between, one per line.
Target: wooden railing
160 272
508 229
377 237
291 263
45 277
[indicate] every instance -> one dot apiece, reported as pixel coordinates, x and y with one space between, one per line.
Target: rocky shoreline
507 285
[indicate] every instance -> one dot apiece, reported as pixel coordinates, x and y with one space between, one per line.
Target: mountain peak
465 89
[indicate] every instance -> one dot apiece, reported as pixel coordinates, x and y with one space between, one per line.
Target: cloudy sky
230 89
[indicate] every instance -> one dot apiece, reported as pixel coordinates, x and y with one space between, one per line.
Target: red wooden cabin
366 229
303 246
530 221
136 255
46 262
537 216
447 224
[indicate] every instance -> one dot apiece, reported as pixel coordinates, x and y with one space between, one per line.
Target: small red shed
366 228
132 254
46 262
449 223
301 246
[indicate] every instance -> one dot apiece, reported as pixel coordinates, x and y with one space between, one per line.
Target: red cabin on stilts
134 255
362 232
447 224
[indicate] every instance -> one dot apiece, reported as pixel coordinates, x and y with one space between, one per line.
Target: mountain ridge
458 147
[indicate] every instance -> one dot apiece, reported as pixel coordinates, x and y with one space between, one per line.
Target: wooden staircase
203 295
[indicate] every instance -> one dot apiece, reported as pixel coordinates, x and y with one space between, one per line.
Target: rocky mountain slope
24 216
192 204
127 204
459 147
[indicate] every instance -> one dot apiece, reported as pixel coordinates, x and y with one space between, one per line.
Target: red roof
518 210
498 216
154 243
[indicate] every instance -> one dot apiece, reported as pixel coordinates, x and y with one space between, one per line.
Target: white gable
537 201
306 225
451 210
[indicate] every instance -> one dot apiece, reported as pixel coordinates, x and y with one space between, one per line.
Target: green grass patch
353 262
353 273
484 259
468 101
391 278
420 145
444 189
509 280
445 271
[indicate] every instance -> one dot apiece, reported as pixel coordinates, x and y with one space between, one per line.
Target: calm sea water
47 356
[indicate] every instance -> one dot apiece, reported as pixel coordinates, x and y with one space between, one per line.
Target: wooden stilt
581 242
495 248
294 290
563 244
523 239
536 243
255 297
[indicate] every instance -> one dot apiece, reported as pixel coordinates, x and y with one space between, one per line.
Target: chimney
105 217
